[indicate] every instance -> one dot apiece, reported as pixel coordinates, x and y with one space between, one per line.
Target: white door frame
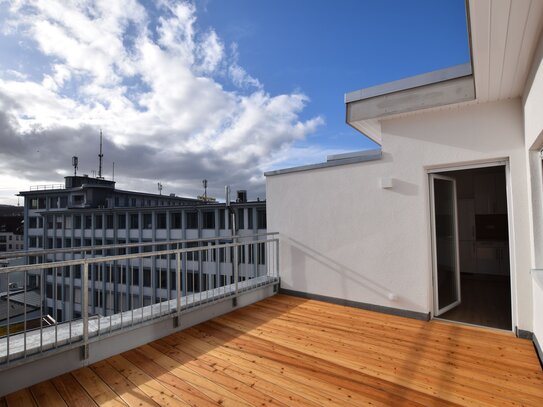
457 302
509 192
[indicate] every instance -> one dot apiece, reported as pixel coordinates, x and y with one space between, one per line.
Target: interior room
482 272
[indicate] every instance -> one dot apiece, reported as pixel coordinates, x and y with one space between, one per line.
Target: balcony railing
49 186
65 304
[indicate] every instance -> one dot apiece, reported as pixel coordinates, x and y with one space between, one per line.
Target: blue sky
222 90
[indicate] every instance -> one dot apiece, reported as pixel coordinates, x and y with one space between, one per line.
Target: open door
445 243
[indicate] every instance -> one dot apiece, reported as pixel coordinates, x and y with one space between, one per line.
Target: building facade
91 212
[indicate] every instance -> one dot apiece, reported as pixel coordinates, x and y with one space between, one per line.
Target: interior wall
344 236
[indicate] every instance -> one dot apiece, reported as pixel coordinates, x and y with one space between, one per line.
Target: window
58 221
33 222
161 221
109 221
261 219
63 202
58 243
68 242
240 220
175 220
88 222
68 222
209 220
147 277
77 242
41 203
121 221
222 219
250 223
34 203
78 200
134 221
147 221
77 221
53 202
98 221
194 254
32 241
192 220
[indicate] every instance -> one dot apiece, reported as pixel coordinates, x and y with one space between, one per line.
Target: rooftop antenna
75 162
205 189
100 157
159 188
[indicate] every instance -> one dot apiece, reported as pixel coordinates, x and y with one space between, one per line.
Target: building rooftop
291 351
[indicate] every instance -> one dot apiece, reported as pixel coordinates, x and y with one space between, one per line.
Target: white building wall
533 128
343 236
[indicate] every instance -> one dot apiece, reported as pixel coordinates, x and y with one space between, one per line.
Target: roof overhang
433 89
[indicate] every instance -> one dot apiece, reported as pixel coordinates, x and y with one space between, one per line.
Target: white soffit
504 35
365 107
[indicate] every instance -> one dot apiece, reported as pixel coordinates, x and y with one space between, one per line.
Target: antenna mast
100 157
75 162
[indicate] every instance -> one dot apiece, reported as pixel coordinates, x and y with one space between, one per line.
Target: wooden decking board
21 398
439 330
72 392
46 395
153 388
398 356
423 378
296 368
245 391
384 341
131 395
292 351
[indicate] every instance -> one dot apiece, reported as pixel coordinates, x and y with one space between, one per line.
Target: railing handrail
46 186
43 252
94 260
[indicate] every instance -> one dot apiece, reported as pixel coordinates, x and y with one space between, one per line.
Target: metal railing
71 303
108 247
49 186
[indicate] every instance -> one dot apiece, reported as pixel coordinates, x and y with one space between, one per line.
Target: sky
208 89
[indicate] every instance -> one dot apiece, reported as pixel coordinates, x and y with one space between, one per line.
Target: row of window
208 220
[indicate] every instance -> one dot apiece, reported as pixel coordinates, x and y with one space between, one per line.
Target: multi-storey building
91 212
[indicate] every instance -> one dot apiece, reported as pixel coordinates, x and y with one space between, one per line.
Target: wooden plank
21 398
148 356
354 380
287 375
3 402
100 392
247 393
46 395
166 383
127 390
72 392
245 376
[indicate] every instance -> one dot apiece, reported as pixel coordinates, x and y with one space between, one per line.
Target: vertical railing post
178 286
85 309
236 274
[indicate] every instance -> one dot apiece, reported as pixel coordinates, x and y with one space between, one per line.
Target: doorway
470 236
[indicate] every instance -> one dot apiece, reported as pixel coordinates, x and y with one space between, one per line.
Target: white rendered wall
533 127
344 236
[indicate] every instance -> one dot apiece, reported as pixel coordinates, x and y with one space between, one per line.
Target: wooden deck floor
290 351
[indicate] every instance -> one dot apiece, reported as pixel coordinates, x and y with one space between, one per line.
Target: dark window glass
98 221
240 219
222 219
134 221
147 221
250 222
175 220
109 221
261 219
161 221
192 220
209 220
121 221
77 221
88 222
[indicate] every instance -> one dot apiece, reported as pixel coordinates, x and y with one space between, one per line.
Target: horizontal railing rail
48 186
79 249
70 303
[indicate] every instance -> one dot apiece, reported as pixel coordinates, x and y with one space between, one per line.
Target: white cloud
153 86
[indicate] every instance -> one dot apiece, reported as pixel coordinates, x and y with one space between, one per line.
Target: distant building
92 212
11 233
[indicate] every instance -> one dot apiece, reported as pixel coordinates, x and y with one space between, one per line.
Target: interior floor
486 300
